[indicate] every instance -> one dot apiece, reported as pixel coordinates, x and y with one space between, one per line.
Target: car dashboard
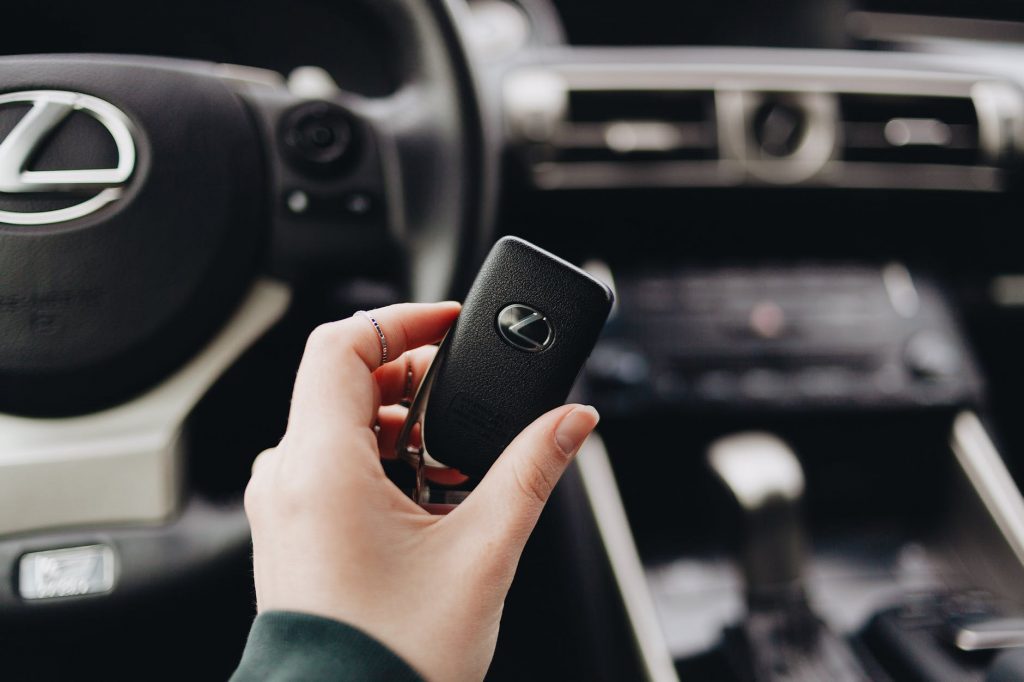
793 226
808 215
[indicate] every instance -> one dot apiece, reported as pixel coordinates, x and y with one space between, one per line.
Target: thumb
510 497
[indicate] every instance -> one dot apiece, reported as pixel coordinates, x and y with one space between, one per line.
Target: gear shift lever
764 476
781 638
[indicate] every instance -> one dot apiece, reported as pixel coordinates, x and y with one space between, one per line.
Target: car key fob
528 324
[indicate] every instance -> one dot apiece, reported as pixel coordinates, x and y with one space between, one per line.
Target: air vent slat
638 125
904 129
647 105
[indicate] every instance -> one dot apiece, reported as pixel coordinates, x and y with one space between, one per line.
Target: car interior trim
987 472
122 464
613 527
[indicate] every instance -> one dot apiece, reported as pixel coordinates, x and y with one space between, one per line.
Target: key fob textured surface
527 326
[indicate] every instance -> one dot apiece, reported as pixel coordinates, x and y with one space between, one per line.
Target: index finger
334 387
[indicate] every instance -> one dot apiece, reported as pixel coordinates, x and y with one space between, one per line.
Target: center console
795 480
807 247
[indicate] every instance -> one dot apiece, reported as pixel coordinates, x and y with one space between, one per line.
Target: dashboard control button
341 208
318 137
767 320
359 204
67 572
297 201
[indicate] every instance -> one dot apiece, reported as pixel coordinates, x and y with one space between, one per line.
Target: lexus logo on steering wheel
525 328
98 186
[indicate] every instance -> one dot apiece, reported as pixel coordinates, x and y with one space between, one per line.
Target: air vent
622 125
599 125
905 129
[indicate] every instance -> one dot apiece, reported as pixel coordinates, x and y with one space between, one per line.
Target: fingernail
575 427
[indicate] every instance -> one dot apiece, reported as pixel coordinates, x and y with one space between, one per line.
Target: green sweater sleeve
286 645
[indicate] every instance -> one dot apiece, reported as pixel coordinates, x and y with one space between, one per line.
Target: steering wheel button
321 136
68 572
298 201
358 204
318 136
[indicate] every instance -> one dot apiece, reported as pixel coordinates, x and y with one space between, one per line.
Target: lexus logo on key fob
525 328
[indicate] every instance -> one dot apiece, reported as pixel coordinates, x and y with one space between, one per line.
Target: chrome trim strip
990 478
613 526
764 77
899 26
995 633
555 175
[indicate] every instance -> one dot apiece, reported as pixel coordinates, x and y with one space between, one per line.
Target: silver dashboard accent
49 109
902 132
644 136
122 464
249 75
613 526
985 634
1000 108
673 74
312 82
536 101
496 29
990 478
890 26
67 572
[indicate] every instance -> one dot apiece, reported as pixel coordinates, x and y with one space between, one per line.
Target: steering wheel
154 214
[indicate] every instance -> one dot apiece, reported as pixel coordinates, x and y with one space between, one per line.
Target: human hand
333 536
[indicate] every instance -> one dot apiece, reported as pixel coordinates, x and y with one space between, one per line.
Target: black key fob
527 326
